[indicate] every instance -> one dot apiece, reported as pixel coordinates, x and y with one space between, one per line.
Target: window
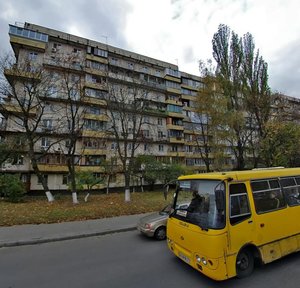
267 195
239 204
66 179
32 56
93 110
291 189
94 160
174 108
47 124
45 179
113 146
147 120
18 160
159 121
94 125
96 51
146 147
173 85
45 142
160 147
96 93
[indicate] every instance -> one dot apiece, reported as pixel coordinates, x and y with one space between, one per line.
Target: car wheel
244 263
160 233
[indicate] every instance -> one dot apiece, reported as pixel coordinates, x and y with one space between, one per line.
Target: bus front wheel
244 263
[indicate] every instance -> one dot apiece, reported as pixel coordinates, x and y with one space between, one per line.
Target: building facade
78 77
85 69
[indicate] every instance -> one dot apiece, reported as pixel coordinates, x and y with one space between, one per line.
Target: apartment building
89 69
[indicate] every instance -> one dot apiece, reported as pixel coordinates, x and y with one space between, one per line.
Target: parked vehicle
154 225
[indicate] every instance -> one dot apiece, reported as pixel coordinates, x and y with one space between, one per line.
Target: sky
175 31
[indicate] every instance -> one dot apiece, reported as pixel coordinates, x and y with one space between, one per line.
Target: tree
126 106
88 180
255 85
209 117
24 86
70 85
171 172
148 169
243 80
12 187
280 147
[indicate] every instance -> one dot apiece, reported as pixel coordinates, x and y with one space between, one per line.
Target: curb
64 238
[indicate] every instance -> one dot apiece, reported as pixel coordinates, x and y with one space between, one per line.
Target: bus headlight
198 259
204 261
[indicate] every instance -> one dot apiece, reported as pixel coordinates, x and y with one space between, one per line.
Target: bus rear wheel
244 263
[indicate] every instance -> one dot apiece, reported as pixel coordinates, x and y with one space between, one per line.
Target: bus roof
246 174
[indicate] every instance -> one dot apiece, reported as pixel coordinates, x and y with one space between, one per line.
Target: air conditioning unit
54 50
58 149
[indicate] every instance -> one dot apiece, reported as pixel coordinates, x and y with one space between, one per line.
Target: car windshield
206 200
167 210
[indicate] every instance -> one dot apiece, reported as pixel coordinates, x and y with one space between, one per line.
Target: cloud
91 19
285 70
173 30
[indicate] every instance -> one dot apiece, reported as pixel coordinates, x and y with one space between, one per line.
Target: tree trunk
108 182
127 188
49 196
74 197
142 184
40 177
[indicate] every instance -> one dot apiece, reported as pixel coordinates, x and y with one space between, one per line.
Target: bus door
241 226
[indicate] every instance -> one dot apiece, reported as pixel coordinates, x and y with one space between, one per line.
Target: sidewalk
43 233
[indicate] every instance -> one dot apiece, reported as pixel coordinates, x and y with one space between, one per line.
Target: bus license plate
184 258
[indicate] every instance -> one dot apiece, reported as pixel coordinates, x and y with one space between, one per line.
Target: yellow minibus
235 219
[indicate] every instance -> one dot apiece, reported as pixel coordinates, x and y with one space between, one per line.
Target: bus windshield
206 200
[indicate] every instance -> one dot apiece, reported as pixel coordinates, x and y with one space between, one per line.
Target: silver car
154 225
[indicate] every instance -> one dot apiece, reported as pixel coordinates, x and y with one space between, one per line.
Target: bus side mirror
166 190
220 199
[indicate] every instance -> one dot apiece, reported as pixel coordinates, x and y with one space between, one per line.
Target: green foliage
242 75
171 172
12 188
87 179
149 168
281 145
5 152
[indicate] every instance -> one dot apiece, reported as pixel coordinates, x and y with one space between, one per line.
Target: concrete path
42 233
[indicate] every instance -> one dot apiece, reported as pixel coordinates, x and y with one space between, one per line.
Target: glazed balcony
20 37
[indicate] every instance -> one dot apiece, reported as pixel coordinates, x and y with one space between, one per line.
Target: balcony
96 85
175 114
99 117
53 167
93 100
19 73
173 102
95 134
94 151
176 140
175 127
24 37
176 154
96 58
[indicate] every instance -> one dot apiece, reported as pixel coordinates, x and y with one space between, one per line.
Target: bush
12 188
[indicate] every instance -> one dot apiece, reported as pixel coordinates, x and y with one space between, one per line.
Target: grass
36 210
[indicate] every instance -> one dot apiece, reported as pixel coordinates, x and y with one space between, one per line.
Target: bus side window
291 190
239 204
267 195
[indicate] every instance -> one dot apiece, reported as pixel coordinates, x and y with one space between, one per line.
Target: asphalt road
123 260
